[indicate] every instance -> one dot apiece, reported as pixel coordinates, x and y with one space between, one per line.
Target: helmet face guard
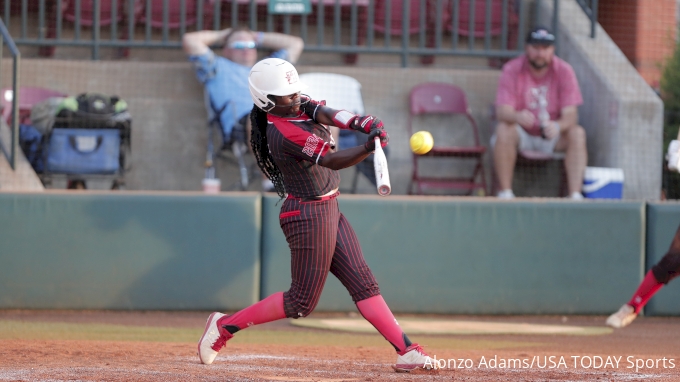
273 77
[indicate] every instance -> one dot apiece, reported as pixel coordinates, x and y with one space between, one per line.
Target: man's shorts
529 142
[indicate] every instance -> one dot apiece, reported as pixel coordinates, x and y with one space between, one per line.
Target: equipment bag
84 151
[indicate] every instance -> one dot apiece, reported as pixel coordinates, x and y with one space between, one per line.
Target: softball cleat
414 358
213 340
624 316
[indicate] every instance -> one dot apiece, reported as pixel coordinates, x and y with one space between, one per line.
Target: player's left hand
366 123
382 134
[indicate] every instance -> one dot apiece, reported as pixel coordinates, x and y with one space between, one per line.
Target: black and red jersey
297 145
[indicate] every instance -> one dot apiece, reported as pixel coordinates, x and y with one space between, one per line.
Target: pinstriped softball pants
321 240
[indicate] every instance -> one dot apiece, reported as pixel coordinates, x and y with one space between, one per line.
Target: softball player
297 152
660 274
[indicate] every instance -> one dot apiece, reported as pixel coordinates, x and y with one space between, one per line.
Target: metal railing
11 151
590 9
481 28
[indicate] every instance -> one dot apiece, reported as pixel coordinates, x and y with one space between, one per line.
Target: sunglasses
542 35
243 45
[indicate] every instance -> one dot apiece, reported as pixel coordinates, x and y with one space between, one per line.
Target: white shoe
413 357
673 155
213 339
625 315
576 196
505 194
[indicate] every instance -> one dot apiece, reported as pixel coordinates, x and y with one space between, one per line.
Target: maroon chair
396 18
479 27
446 99
396 12
28 96
175 14
68 13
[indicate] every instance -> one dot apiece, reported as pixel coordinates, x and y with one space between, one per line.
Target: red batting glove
367 123
346 120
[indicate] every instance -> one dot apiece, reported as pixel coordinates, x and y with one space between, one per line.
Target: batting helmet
273 77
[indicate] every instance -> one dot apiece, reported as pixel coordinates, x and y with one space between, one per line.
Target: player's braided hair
258 141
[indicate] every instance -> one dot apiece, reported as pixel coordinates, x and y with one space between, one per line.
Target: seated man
225 78
536 107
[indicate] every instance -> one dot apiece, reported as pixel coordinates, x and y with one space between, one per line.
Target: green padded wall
662 223
474 256
129 250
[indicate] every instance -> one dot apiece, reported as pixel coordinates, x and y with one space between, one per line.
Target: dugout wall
129 251
193 251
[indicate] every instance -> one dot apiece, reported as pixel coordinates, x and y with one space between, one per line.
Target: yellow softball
421 142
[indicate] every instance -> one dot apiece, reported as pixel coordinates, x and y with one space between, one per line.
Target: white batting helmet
273 76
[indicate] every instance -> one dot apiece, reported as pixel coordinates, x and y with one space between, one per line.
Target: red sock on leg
376 311
267 310
648 287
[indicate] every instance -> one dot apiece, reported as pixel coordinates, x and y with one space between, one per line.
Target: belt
315 198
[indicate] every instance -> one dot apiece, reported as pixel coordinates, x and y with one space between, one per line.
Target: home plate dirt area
161 346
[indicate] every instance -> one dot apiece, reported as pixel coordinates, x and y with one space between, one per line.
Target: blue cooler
603 183
83 151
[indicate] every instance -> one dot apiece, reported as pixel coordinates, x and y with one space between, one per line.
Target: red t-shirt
519 89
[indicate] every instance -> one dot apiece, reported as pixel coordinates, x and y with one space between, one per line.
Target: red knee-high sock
267 310
376 311
648 287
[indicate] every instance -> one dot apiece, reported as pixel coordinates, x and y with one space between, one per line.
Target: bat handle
377 143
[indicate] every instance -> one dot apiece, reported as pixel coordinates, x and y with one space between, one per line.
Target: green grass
21 330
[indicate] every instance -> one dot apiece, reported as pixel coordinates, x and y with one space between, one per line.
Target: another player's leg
660 274
350 267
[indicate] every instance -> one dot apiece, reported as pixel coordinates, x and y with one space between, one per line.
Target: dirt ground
112 346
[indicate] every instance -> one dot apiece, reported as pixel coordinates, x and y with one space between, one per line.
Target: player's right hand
382 134
366 124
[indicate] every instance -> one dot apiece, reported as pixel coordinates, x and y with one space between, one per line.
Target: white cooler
603 183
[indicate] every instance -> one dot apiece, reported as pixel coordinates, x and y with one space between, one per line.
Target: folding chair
446 99
340 92
28 96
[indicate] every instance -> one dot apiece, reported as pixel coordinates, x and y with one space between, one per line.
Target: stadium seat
175 13
395 17
445 100
69 12
479 24
28 96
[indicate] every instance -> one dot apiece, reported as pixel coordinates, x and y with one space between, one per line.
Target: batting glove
349 121
366 124
384 139
311 107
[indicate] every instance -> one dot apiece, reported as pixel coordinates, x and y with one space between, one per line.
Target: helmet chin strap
300 102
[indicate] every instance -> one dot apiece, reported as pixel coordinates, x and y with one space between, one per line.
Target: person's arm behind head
197 43
279 41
